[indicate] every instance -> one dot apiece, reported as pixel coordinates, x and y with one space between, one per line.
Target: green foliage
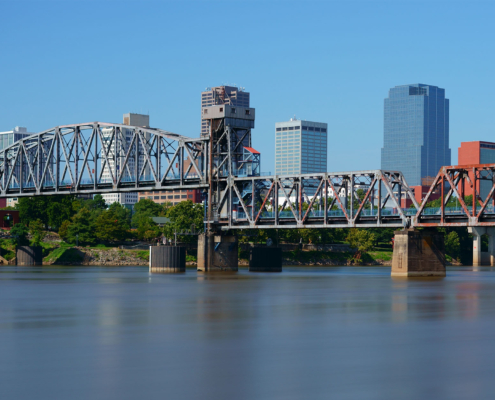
452 244
109 227
83 226
37 233
143 254
96 203
361 239
19 234
182 217
145 208
63 231
50 210
65 255
147 229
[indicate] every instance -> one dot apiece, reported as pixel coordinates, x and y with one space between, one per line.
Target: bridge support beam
217 253
418 253
480 258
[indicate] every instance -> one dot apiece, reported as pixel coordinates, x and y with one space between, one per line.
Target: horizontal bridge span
321 200
101 157
366 199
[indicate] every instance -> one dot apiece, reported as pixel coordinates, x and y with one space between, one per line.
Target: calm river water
307 333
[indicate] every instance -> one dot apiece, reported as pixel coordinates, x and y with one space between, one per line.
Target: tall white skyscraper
300 147
124 198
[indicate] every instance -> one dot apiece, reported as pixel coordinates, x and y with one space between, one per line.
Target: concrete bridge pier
418 253
217 253
265 259
167 259
480 258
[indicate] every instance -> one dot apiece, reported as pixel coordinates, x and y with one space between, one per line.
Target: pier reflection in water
307 333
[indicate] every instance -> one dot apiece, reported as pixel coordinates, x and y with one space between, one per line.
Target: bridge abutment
418 253
217 253
480 258
29 255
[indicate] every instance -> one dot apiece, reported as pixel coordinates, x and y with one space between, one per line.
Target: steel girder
456 181
100 157
326 200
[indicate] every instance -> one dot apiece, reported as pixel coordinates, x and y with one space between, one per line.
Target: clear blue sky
329 61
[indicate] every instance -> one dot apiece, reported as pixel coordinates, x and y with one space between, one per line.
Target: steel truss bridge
102 157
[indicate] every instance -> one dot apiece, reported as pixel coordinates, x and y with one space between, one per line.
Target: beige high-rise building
230 95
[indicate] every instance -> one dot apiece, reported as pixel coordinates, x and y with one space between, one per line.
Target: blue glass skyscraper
416 132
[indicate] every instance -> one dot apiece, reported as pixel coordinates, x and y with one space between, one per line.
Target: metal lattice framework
457 181
329 200
100 158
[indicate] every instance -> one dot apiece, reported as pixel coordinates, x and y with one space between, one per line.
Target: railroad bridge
102 157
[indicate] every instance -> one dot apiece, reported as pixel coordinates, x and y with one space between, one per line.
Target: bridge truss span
466 196
101 157
325 200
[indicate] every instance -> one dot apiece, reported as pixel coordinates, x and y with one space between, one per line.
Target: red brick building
477 153
172 196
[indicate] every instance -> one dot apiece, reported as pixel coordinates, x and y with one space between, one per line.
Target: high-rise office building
131 120
300 147
9 137
416 132
218 95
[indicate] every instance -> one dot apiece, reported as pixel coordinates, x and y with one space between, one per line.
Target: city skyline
40 94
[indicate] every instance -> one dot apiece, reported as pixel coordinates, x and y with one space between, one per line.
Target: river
307 333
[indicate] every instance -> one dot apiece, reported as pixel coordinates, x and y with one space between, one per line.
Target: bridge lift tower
230 135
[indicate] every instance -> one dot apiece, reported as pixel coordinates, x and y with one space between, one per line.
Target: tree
19 234
147 229
96 203
145 208
37 233
50 210
182 217
109 227
361 239
122 213
64 230
82 229
452 244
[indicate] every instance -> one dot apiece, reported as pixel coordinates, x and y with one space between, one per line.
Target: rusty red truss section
452 183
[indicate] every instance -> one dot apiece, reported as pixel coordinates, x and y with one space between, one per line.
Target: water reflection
341 332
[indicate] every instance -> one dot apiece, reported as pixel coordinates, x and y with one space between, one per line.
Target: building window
232 110
248 112
164 197
177 196
190 196
184 196
150 197
170 197
157 197
205 111
221 109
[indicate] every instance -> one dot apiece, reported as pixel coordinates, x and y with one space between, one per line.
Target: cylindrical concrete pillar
167 259
29 255
265 259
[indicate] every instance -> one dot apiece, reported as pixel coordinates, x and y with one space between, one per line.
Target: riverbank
122 257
